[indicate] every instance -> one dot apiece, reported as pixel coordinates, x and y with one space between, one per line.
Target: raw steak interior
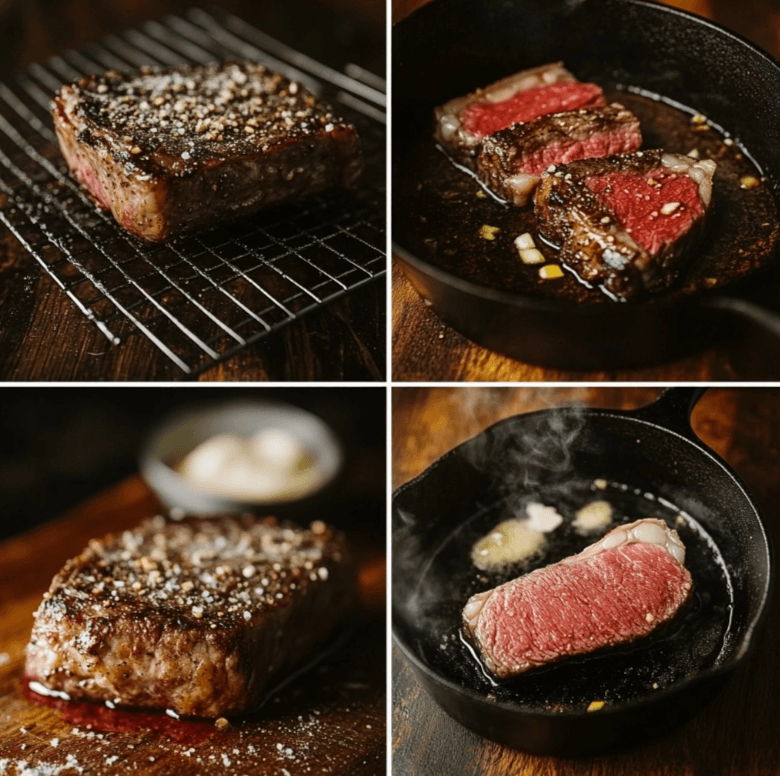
626 221
616 591
510 162
200 616
180 149
463 122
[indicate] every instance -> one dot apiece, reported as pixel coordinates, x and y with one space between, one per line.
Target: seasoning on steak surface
614 592
200 616
463 122
510 162
626 221
184 148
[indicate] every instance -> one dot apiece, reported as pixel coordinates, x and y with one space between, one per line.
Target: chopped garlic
531 256
596 705
524 241
550 272
488 232
748 182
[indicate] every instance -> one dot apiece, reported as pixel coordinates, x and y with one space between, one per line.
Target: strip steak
181 149
616 591
200 616
510 162
463 122
627 221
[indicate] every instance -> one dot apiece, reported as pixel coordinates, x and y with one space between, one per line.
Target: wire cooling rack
199 299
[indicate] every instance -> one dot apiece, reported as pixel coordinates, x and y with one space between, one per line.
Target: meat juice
445 209
692 642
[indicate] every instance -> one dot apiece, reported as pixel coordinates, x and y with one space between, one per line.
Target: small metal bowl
183 432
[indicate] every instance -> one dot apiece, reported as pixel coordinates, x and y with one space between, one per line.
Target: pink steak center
485 118
655 210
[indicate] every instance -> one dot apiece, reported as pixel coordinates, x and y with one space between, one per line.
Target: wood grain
44 337
331 720
736 734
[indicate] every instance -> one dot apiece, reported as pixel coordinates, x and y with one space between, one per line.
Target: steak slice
510 162
616 591
626 221
199 616
184 148
463 122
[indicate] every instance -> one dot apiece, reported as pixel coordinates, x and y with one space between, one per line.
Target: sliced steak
626 221
510 162
200 616
463 122
184 148
616 591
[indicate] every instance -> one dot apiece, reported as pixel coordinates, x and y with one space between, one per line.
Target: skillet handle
672 409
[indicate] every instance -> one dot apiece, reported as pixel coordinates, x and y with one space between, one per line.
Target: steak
510 162
463 122
181 149
627 221
200 616
618 590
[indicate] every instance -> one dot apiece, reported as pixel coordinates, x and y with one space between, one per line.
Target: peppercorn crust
199 616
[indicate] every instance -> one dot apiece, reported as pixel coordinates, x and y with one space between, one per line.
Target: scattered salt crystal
185 155
55 742
225 760
172 713
5 658
247 615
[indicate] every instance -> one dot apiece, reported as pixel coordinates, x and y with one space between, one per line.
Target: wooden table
737 733
44 337
329 720
426 349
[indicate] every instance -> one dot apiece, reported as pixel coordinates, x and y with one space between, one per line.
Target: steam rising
505 463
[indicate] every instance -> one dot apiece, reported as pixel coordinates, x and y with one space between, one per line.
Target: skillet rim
594 309
747 643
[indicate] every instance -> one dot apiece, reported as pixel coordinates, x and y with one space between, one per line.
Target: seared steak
200 616
181 149
463 122
616 591
626 221
510 162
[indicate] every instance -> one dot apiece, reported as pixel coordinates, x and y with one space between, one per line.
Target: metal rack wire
201 298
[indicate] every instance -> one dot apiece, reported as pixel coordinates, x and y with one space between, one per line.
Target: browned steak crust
181 149
199 616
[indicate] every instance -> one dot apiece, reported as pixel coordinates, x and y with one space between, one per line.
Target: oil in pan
692 642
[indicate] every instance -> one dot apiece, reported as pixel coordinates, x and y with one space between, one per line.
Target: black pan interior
648 56
554 457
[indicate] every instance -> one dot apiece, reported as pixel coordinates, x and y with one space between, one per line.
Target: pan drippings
450 221
692 642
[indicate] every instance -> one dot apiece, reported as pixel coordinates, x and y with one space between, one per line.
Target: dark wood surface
43 337
737 733
331 719
424 348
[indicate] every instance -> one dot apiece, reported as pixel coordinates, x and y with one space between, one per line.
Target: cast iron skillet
449 47
655 466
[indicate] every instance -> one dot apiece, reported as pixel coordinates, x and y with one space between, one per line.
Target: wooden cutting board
330 720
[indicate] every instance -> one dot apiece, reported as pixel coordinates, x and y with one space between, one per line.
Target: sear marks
626 221
199 616
511 161
179 149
